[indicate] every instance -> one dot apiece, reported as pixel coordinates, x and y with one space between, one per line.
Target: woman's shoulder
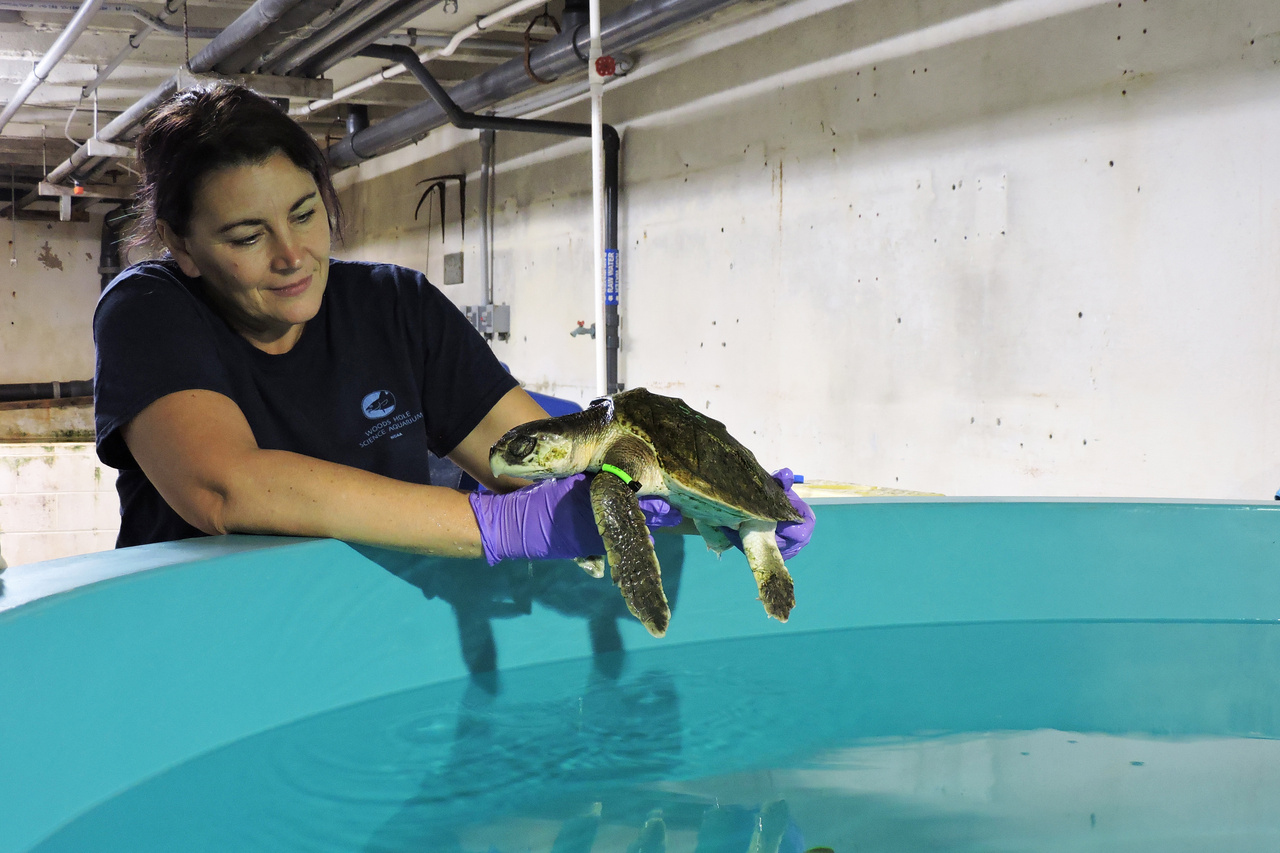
364 273
367 282
148 281
161 276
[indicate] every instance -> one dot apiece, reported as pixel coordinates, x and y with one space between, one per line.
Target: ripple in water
1063 736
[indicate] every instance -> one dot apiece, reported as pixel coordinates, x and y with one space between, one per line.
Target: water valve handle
606 66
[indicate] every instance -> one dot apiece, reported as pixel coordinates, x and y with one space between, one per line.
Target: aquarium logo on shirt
378 404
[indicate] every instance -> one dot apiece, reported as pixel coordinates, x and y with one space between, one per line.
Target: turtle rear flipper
593 565
714 536
631 559
777 591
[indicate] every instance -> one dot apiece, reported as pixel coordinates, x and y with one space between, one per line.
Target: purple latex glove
791 535
549 520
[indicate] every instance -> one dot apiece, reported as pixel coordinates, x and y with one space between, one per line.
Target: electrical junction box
453 268
490 320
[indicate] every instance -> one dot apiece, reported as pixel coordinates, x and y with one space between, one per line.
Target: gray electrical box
490 320
453 268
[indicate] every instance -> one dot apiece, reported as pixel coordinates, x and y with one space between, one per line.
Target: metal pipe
606 344
135 42
626 28
248 26
353 19
503 14
292 27
109 261
115 129
606 289
487 146
474 46
456 115
12 393
447 47
345 47
152 22
431 41
613 274
244 29
46 64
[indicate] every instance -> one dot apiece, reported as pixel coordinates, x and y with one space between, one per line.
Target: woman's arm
198 450
472 453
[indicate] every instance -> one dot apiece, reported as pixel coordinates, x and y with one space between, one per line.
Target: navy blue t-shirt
388 370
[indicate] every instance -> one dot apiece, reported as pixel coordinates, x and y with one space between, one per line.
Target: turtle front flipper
631 559
777 591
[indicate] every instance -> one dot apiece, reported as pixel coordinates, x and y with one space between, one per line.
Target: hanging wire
186 33
66 129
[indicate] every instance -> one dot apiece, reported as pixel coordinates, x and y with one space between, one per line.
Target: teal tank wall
117 666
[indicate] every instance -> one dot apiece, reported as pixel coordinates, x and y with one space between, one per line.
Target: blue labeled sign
610 276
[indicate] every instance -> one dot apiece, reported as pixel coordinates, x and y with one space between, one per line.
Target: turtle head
537 451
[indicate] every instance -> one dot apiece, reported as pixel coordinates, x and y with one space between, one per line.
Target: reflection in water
505 754
961 737
480 594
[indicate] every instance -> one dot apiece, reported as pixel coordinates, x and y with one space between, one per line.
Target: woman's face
259 239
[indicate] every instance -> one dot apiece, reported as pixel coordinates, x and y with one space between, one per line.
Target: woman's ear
178 248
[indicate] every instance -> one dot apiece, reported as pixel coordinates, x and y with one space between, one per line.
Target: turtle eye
522 447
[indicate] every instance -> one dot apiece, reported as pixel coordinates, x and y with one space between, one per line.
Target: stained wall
1026 248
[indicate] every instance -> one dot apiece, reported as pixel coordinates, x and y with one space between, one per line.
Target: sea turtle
639 443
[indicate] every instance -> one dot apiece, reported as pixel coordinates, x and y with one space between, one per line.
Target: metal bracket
97 148
267 85
115 192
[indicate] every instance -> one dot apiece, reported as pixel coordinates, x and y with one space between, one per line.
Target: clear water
996 737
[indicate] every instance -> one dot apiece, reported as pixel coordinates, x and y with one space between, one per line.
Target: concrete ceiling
59 115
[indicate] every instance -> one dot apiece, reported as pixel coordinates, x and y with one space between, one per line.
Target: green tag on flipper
622 475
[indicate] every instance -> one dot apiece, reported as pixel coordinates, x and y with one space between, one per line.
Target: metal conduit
317 63
153 22
38 74
624 29
12 393
361 18
114 130
612 145
135 42
293 24
257 18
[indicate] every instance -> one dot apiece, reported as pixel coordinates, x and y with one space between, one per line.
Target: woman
247 383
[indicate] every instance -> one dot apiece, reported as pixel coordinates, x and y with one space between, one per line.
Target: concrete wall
56 500
47 301
1017 249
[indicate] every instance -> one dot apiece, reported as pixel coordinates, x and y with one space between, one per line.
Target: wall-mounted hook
440 182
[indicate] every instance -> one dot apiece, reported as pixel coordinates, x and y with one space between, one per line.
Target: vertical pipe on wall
487 144
612 274
600 296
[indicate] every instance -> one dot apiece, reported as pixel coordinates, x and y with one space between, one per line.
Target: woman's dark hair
204 129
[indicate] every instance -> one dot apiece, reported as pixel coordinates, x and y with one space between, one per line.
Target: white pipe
488 21
38 74
396 70
597 196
